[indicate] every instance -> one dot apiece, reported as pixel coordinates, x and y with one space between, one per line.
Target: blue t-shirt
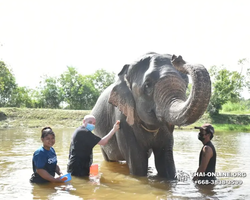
43 159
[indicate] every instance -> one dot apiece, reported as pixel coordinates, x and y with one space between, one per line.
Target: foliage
82 92
79 93
36 98
51 94
71 88
239 106
102 79
227 86
20 98
241 63
7 84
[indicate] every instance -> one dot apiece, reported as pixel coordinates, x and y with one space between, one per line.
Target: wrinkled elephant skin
149 98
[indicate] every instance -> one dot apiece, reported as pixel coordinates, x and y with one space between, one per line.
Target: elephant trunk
172 104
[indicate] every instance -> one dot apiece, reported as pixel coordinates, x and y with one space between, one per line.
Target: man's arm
106 138
207 154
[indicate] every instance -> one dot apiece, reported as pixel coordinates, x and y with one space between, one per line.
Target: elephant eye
148 88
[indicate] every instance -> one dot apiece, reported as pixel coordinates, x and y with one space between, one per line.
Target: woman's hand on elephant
116 125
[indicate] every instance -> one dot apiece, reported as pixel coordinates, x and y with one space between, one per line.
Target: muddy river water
233 150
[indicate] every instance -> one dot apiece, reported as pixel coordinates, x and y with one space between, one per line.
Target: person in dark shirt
44 160
82 144
207 159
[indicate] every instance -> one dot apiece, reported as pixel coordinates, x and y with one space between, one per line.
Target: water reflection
17 147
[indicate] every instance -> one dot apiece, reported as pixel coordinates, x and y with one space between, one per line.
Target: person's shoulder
79 132
211 143
81 129
207 149
52 149
212 146
39 151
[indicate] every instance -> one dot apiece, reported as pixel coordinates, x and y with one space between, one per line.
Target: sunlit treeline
70 90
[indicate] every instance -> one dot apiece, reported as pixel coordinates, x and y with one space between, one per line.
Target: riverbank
37 118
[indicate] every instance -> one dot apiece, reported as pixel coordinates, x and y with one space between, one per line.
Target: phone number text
218 182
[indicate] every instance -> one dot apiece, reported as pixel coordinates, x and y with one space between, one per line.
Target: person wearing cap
82 144
44 160
207 159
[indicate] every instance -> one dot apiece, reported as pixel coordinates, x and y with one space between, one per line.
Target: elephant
149 98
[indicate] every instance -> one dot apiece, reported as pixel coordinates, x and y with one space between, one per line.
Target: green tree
7 84
248 80
37 98
82 92
88 94
51 92
79 92
21 98
226 86
102 79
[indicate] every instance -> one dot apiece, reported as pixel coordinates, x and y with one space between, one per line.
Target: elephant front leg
137 160
164 163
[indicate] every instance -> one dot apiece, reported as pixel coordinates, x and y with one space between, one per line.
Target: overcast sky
44 37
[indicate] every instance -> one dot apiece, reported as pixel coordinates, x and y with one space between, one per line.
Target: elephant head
152 90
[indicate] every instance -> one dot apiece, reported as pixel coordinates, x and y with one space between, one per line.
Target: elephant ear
121 96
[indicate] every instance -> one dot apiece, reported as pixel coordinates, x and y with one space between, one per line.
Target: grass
239 108
232 127
35 118
227 122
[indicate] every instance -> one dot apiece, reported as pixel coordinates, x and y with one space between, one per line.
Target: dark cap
208 127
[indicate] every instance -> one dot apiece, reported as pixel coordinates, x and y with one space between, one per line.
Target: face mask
90 127
200 136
